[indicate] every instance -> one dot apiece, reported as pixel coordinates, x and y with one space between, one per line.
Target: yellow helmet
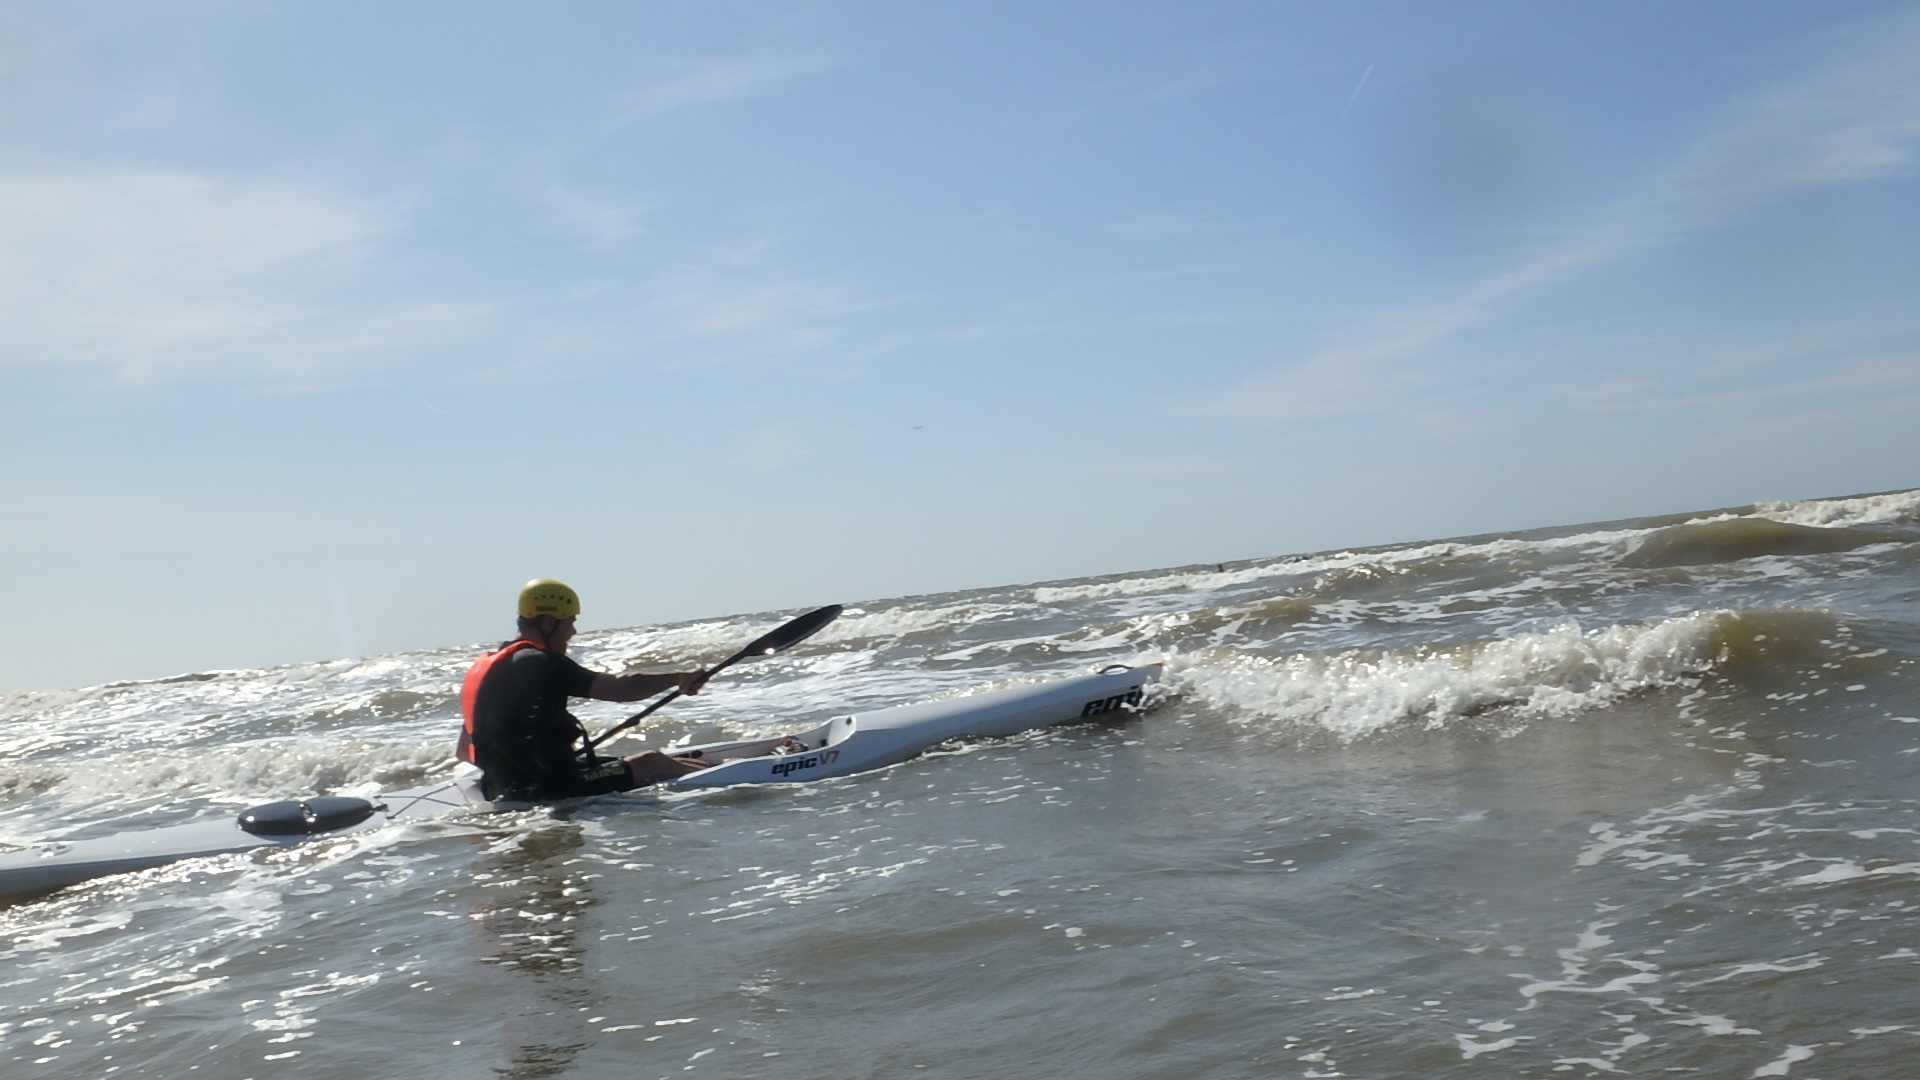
545 596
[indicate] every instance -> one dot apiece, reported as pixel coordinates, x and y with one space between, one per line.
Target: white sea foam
716 638
1556 672
1195 580
1209 580
1903 505
1786 1061
276 770
1894 506
712 638
901 621
1846 870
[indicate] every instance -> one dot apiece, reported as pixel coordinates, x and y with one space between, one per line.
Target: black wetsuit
527 742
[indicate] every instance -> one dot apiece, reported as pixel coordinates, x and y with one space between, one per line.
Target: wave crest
279 770
1732 539
1558 672
1859 510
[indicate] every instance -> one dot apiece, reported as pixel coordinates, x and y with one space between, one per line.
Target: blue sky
323 326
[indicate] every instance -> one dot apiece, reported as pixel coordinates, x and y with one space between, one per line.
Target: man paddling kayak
518 729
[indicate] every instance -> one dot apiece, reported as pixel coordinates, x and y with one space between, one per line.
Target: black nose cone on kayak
304 817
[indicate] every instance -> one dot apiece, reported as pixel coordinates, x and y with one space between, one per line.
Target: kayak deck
849 744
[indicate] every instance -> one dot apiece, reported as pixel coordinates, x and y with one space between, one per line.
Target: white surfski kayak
848 744
843 745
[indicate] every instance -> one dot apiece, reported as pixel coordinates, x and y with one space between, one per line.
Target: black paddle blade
792 633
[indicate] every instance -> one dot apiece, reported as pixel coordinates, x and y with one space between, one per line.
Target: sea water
1638 798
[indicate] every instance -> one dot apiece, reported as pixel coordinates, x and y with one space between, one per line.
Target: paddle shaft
788 634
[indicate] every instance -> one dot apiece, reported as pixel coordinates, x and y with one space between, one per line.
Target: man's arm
639 685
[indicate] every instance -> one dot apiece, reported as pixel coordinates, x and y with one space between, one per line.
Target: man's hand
692 681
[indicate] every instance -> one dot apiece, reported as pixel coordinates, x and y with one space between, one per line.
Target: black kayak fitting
304 817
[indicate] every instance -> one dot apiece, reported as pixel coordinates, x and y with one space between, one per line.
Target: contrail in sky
1355 96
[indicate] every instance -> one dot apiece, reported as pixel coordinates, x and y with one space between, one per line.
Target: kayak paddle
779 639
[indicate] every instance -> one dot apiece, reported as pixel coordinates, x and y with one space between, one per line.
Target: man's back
523 736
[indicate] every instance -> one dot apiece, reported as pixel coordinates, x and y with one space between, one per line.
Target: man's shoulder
537 663
529 660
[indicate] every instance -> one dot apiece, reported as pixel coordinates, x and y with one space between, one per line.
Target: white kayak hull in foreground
843 745
49 866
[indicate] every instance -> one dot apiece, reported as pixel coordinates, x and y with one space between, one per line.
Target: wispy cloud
1173 224
1852 360
129 268
709 81
746 306
1854 115
601 219
155 275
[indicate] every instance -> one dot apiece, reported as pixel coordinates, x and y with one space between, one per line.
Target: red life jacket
470 692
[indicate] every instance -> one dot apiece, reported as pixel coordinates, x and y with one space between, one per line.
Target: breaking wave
1558 672
1860 510
858 625
1732 539
1202 580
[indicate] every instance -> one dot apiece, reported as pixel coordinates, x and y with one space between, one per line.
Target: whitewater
1631 798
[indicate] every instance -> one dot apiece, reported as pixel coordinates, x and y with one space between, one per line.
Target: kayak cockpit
831 733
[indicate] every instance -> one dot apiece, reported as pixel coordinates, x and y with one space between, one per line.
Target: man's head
547 611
